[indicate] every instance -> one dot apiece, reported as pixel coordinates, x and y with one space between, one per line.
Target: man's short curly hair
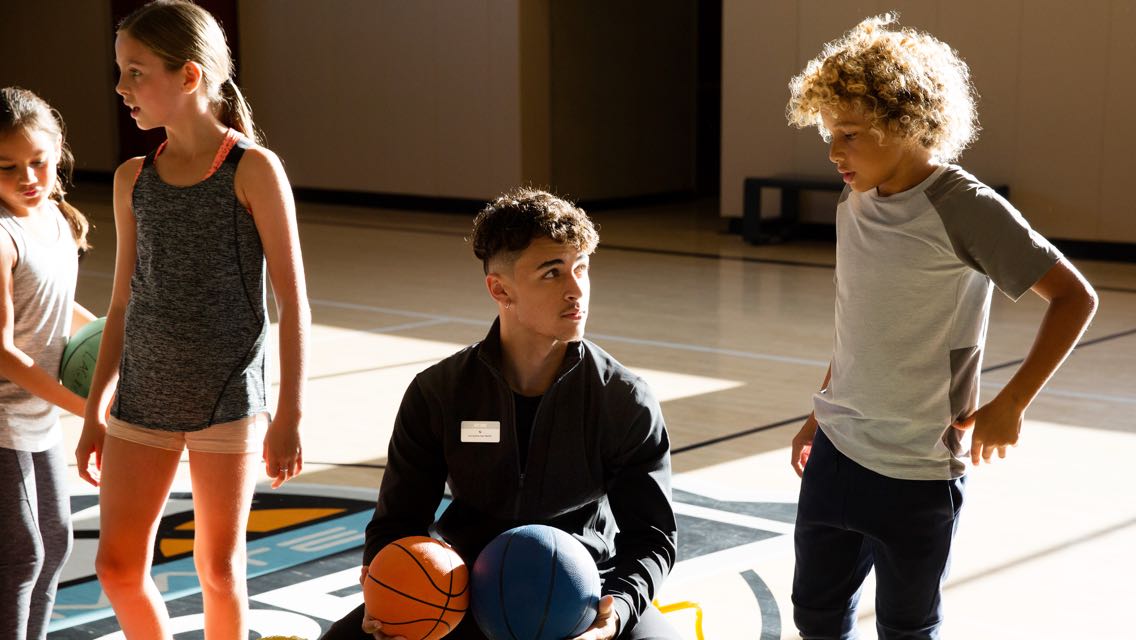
509 224
906 83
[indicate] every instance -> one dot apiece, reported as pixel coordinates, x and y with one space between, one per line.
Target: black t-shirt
526 414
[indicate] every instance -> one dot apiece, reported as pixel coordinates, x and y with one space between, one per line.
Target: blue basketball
534 583
77 365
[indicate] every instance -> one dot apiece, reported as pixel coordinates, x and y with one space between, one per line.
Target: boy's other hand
803 445
996 425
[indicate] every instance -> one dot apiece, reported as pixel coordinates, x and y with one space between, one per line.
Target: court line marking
383 367
421 324
726 517
1079 345
598 337
1077 395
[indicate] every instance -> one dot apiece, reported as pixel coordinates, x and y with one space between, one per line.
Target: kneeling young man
582 445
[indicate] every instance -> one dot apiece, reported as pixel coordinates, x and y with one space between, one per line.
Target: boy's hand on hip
996 425
803 445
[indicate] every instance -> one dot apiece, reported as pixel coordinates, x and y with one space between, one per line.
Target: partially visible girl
183 349
41 236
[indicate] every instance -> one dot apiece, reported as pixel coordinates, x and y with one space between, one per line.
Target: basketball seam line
407 595
402 622
552 571
427 573
501 586
448 598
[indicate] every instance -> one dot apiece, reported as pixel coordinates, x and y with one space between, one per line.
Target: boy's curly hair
509 224
906 83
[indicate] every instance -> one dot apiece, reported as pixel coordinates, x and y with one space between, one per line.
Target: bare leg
135 484
223 485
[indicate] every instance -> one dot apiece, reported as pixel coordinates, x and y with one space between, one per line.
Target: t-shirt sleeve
991 236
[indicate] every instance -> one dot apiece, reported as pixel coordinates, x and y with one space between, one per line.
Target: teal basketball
77 366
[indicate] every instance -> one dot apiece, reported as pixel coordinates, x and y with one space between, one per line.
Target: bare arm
263 188
105 378
80 316
1072 304
15 365
803 441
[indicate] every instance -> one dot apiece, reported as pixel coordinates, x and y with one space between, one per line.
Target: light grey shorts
239 436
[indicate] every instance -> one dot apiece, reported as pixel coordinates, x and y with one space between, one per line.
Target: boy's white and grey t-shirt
914 274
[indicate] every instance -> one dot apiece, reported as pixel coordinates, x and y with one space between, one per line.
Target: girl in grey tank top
38 264
183 348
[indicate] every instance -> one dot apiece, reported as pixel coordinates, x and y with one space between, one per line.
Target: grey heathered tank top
43 288
193 350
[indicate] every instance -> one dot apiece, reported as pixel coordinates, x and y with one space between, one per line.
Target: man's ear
192 76
498 288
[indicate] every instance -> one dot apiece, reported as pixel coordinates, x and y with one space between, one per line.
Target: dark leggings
35 510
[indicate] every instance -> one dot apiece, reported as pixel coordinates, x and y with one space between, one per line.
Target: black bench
758 230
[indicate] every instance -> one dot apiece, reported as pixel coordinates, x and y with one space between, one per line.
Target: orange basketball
417 588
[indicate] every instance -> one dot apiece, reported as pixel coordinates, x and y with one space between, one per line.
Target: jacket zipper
511 402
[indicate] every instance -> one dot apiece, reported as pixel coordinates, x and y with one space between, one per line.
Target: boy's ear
192 76
498 288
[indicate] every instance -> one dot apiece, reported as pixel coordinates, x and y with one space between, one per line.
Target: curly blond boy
921 244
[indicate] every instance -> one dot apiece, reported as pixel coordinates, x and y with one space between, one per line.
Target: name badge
480 431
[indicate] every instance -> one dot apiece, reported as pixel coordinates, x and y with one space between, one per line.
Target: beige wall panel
478 149
416 98
1118 205
1058 179
759 54
503 97
536 92
464 140
820 22
63 51
991 48
403 52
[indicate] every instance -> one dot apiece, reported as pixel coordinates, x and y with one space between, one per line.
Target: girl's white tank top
43 288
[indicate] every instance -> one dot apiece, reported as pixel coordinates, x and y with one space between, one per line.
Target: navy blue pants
850 519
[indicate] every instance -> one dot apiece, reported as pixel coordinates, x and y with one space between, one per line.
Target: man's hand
803 445
996 426
372 627
606 626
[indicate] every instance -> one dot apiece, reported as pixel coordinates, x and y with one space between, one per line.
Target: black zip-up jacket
598 466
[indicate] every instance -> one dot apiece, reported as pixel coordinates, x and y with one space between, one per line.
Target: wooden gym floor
733 339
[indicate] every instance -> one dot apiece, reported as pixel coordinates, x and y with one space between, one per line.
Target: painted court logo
304 549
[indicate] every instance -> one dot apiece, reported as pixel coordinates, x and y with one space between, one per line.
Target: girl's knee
220 573
22 555
119 568
15 572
